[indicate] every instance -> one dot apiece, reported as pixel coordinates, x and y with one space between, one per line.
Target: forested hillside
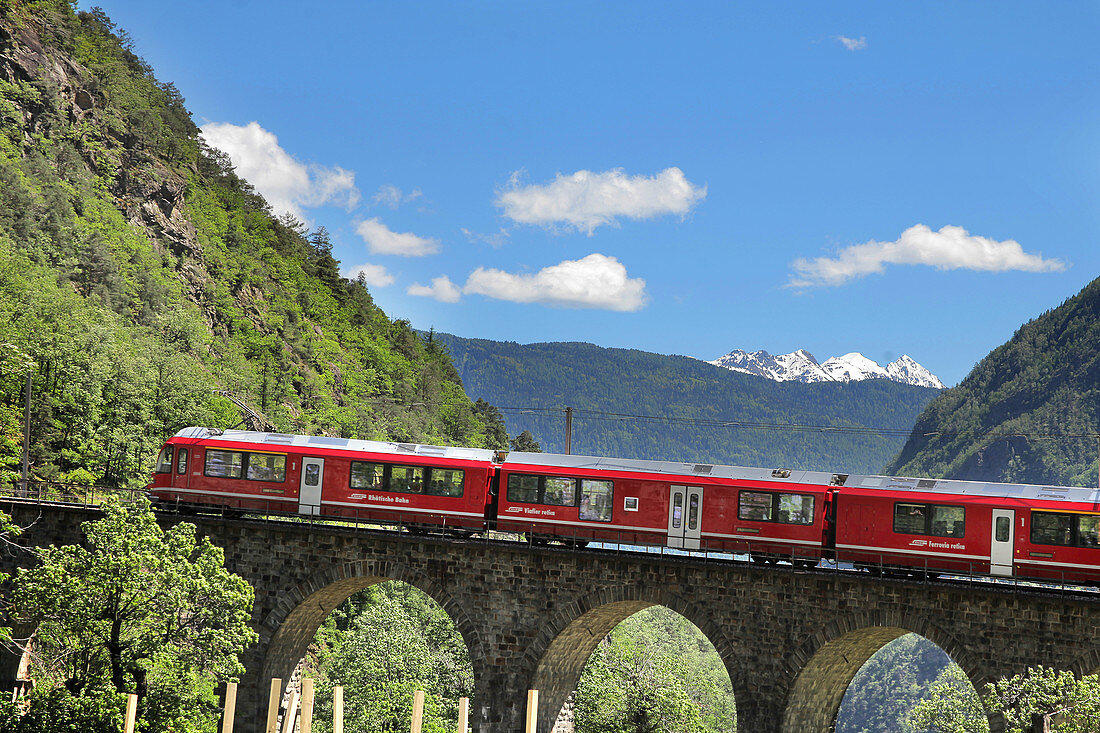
556 375
1028 412
138 273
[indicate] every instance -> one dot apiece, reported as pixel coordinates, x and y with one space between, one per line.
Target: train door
1001 545
309 490
685 512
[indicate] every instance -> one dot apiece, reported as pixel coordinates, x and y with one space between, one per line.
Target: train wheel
576 544
759 558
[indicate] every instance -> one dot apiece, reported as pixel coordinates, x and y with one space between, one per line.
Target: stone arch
298 612
820 671
568 638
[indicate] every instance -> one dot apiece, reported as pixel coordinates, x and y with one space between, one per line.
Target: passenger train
877 522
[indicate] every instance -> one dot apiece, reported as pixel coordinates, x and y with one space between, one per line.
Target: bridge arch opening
633 662
868 679
380 637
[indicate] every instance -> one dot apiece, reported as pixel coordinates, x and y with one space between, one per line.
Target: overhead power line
607 416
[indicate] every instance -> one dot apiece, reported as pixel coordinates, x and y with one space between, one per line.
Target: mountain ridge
630 403
801 366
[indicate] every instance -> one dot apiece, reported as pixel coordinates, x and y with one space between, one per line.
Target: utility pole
27 436
569 431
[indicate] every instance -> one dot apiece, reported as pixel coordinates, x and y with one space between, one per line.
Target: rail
46 493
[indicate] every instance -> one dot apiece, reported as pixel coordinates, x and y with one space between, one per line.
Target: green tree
655 672
382 645
137 609
1072 705
526 442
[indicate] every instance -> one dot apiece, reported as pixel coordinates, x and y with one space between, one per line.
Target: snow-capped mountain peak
801 366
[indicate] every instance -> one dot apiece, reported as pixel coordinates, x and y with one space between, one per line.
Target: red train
898 524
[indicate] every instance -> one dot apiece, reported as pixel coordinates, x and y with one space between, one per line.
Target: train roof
872 482
703 470
977 488
277 440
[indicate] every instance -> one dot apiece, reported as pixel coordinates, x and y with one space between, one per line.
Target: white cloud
287 184
375 275
382 240
596 281
391 196
442 289
951 248
853 44
493 240
586 200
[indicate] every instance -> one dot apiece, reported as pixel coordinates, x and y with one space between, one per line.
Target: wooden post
337 709
418 710
291 713
307 706
463 715
131 713
230 707
532 710
273 706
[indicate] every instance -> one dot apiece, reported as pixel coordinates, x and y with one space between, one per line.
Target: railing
619 542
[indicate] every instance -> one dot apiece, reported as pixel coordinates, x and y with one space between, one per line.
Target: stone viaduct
791 640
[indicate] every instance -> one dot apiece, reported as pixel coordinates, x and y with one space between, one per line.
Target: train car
312 475
1005 530
769 514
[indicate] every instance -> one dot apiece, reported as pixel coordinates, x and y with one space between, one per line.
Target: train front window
409 479
367 475
266 467
224 463
596 500
164 461
754 506
445 482
523 489
559 491
181 462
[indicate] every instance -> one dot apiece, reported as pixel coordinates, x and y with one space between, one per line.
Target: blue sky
679 178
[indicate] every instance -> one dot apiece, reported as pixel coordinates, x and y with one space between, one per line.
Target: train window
1089 534
409 479
910 518
181 462
1048 528
756 506
948 521
596 498
224 463
266 467
559 491
930 519
677 509
313 474
523 489
164 462
796 509
445 482
367 475
693 511
1003 529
